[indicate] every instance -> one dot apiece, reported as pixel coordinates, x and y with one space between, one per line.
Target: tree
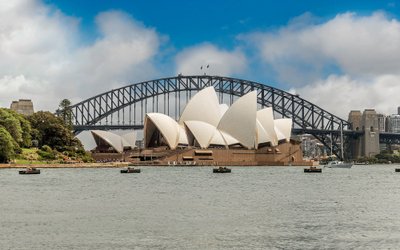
6 146
26 130
18 127
51 130
11 124
65 111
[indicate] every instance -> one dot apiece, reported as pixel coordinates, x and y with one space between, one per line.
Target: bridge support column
355 143
371 133
368 144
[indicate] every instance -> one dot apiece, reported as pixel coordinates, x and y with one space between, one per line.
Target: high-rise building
393 123
23 106
382 123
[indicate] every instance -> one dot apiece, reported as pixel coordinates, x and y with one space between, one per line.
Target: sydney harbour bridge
125 107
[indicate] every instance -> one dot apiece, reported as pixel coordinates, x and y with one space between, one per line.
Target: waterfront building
23 106
210 133
205 123
112 147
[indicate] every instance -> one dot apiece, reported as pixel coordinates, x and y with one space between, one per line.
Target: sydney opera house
209 133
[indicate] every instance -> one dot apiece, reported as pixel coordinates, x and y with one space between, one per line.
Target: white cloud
348 62
123 53
340 94
42 57
356 45
221 62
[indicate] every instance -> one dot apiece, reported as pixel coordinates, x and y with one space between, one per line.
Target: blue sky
219 22
75 49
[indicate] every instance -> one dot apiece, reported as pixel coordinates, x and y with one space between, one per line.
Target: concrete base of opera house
286 154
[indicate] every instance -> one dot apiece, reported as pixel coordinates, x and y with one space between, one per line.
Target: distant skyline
341 55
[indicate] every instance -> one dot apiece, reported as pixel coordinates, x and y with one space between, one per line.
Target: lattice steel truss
307 117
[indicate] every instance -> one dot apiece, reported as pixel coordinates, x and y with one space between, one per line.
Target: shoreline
72 165
115 165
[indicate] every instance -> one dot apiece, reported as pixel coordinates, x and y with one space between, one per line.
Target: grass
23 161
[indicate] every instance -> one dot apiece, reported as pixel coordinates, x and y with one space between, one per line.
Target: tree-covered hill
43 130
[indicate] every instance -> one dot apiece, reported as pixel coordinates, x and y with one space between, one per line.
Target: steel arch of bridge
307 117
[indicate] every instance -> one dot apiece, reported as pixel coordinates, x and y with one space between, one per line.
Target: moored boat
313 170
30 171
130 170
221 170
338 164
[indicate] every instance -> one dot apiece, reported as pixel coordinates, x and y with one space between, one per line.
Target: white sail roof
206 134
203 106
279 134
115 141
202 132
229 140
183 139
222 109
262 136
129 139
284 125
239 120
266 118
217 139
167 126
209 122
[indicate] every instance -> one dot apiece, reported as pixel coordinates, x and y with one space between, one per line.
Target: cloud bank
348 62
42 58
344 63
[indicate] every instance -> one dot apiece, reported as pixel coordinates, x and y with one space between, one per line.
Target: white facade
205 122
118 143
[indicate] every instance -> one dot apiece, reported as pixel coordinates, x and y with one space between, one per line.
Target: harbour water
192 208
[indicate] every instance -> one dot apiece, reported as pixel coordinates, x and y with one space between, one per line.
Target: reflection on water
192 208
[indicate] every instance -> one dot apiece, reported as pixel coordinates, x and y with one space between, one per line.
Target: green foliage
46 153
382 158
43 129
46 148
87 158
26 131
7 152
11 124
50 130
65 112
18 127
385 157
46 156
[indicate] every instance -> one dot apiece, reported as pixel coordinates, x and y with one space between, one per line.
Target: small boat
397 170
30 171
313 170
338 164
130 170
221 170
